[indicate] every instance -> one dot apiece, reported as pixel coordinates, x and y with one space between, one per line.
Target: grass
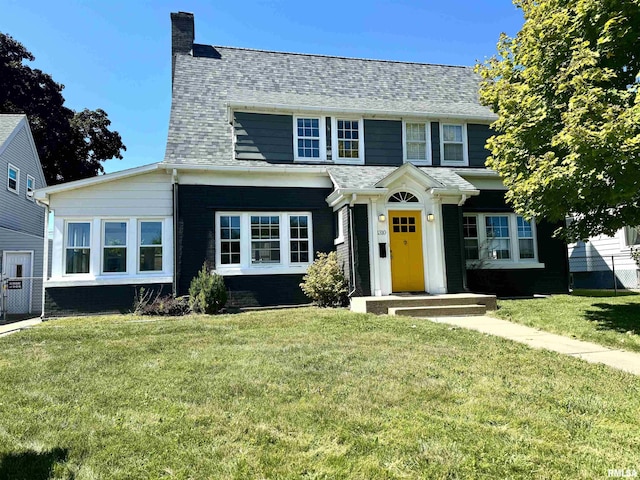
613 321
309 393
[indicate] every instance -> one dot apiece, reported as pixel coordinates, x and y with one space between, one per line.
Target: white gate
17 285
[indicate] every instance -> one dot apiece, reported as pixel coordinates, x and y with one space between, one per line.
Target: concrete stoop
457 304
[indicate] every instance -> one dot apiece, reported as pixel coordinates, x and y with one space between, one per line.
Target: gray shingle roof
204 84
8 123
354 176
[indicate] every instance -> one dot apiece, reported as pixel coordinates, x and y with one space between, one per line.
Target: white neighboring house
21 219
595 263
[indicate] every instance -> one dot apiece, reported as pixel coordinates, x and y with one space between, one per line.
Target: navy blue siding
435 143
453 248
361 252
196 235
477 136
103 299
554 278
264 137
383 142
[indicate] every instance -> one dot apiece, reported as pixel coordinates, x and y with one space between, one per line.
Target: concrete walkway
17 326
590 352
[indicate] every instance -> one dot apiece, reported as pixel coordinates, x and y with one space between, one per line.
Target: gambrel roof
213 80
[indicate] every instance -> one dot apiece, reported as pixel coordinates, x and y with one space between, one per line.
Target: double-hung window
499 240
150 246
114 247
256 242
78 247
632 236
13 179
321 139
416 142
453 144
31 186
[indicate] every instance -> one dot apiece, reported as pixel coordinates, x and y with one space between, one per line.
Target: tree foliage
71 145
567 142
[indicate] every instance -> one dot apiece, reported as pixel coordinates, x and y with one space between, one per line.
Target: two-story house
21 219
274 156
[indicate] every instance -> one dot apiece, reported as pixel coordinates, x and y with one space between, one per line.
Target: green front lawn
613 321
303 393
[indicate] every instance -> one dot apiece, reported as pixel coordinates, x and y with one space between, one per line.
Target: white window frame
17 170
65 243
139 245
322 126
334 140
285 266
30 190
484 262
465 145
427 126
125 246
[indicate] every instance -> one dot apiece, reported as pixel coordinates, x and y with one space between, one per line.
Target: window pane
524 228
499 249
453 152
115 260
452 133
150 233
470 227
471 248
230 239
115 233
78 260
348 139
526 248
416 132
416 151
150 259
308 130
632 235
78 234
265 252
497 230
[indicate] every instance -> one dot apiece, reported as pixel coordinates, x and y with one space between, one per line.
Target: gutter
370 113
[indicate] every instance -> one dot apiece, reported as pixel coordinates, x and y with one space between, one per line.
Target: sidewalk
590 352
17 326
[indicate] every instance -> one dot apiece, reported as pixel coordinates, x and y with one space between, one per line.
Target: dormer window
453 144
327 139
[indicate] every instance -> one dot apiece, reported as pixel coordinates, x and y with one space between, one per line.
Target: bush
207 293
146 304
325 282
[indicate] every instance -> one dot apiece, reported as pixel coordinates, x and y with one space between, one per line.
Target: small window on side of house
453 144
13 179
31 186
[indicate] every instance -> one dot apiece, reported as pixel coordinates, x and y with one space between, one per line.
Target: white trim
340 238
465 145
335 159
29 193
119 280
367 112
10 167
427 126
139 245
125 246
322 140
246 267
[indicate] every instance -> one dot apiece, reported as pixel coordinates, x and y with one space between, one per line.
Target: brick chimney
182 35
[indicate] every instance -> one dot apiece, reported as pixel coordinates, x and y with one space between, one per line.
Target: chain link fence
596 271
20 297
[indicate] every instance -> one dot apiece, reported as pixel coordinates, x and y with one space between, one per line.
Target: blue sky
115 55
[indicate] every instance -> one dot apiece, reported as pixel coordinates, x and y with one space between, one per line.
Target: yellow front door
405 241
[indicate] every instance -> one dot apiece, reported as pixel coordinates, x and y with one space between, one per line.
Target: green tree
71 145
567 142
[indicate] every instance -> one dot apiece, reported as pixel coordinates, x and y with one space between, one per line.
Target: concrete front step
381 305
439 311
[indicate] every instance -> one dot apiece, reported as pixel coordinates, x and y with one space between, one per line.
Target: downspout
45 253
174 183
352 253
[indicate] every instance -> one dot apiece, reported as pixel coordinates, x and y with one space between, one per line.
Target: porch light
381 217
430 217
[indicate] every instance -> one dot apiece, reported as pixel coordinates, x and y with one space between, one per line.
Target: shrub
325 282
635 255
145 303
207 293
